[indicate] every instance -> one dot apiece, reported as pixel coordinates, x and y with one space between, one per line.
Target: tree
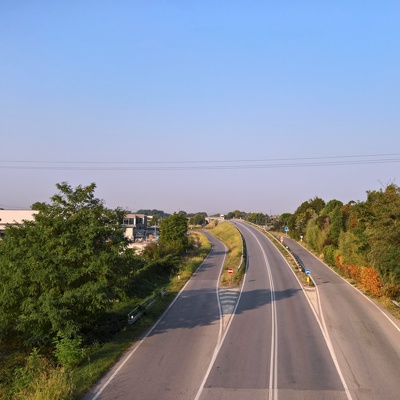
159 213
383 232
236 214
297 222
173 233
62 270
198 219
335 224
154 220
257 218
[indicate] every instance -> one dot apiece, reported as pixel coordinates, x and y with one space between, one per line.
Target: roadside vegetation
359 240
236 256
68 282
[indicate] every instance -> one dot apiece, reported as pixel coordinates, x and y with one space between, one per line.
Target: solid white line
322 326
358 290
273 375
216 292
152 329
219 345
332 350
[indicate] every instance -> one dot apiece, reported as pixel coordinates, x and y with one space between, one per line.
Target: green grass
232 238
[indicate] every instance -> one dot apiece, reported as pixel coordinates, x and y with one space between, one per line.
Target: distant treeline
362 239
198 218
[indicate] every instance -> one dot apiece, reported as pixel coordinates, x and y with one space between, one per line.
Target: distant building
134 224
12 217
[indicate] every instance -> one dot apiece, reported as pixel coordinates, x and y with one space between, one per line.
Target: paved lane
274 347
172 360
365 338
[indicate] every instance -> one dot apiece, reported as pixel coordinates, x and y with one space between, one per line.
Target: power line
193 165
201 161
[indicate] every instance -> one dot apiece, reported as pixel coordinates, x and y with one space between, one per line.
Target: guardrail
396 303
138 311
298 261
295 257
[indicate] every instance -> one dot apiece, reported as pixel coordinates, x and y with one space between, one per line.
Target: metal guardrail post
138 311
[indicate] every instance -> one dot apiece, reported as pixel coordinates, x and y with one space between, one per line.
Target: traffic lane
365 341
243 366
172 360
243 362
305 363
305 367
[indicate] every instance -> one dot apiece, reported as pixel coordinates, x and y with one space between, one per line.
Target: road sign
308 272
230 270
286 229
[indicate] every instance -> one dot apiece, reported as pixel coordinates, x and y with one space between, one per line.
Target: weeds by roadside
235 259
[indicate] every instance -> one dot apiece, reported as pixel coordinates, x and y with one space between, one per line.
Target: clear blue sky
159 102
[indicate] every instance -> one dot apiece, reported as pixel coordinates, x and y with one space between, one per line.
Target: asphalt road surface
277 344
274 347
170 363
365 338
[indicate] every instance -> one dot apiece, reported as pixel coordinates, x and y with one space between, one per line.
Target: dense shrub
369 279
329 254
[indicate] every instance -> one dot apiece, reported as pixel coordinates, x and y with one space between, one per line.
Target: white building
11 217
134 223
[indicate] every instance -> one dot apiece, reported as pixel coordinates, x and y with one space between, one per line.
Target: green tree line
361 238
63 272
257 218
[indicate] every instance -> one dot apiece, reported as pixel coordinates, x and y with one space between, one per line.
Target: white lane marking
331 349
273 375
219 345
358 290
217 293
322 326
158 321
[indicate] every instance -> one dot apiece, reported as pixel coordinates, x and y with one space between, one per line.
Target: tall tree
383 232
257 218
62 270
198 219
173 233
297 222
335 224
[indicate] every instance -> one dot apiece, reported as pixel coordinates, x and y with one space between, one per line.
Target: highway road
172 359
365 338
275 345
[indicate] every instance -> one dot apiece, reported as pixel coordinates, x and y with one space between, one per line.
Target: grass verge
384 301
230 235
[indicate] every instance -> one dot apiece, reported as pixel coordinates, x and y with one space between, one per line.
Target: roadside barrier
138 311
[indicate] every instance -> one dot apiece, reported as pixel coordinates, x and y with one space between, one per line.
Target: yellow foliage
369 279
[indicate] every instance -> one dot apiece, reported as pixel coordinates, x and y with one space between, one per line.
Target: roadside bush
69 351
40 380
329 254
105 327
369 279
392 291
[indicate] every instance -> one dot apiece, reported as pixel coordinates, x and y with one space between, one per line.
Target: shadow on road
196 308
